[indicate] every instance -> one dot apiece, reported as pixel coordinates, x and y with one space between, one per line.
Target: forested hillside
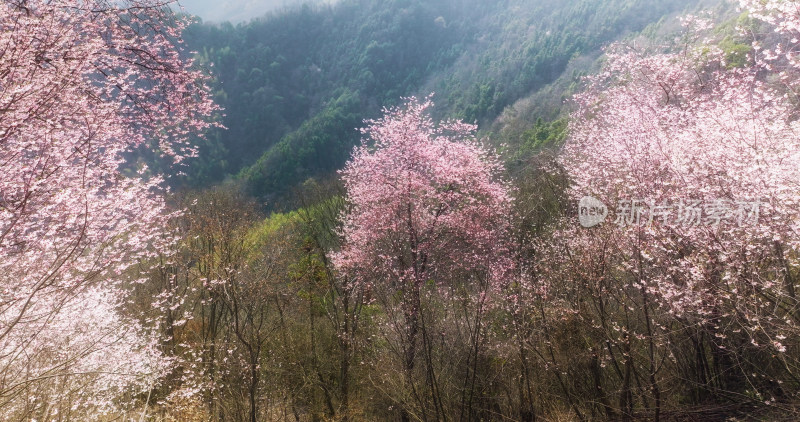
295 85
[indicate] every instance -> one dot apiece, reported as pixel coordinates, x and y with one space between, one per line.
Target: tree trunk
626 396
411 315
254 378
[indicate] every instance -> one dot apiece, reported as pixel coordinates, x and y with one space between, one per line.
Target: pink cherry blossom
425 199
427 209
81 84
685 126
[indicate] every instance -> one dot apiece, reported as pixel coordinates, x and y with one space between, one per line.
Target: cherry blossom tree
81 84
426 205
700 160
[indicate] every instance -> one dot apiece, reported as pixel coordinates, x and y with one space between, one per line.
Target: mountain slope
284 79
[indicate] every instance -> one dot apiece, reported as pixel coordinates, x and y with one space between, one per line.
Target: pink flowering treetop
81 83
426 200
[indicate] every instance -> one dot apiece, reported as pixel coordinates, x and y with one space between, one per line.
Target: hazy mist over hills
237 11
